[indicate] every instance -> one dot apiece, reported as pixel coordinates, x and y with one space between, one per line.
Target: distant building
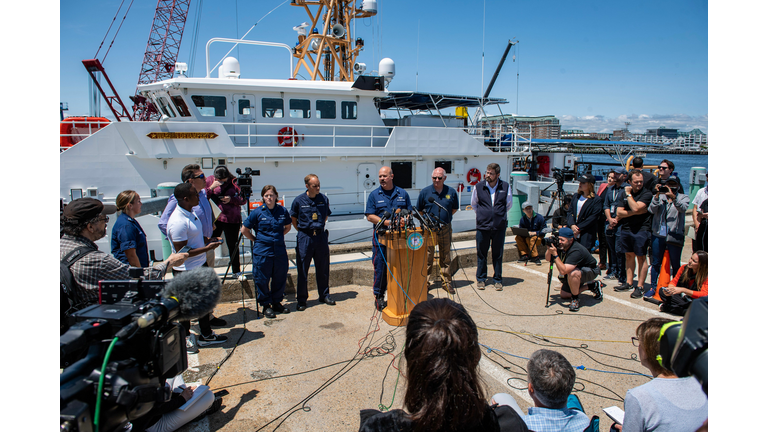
622 135
544 127
663 132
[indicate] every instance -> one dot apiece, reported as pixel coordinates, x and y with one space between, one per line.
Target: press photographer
83 265
578 268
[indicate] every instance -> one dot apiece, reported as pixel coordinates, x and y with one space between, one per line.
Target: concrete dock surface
318 368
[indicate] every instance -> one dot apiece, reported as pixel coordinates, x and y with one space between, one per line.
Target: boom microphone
198 292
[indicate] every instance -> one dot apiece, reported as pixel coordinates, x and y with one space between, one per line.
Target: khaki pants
528 245
443 240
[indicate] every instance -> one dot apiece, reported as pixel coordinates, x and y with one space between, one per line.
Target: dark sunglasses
635 341
201 176
436 178
664 167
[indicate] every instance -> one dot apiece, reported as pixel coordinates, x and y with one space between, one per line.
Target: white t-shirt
184 225
580 204
701 195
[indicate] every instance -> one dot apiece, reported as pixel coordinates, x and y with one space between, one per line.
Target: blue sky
594 64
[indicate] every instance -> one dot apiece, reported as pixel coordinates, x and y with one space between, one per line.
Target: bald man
446 197
387 197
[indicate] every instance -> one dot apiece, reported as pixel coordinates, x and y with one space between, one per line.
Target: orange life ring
474 176
460 187
287 137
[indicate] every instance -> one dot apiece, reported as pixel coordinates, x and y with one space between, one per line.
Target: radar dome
230 68
387 68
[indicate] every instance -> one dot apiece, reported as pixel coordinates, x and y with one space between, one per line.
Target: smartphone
185 249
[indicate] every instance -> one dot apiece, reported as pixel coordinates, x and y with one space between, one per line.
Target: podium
407 275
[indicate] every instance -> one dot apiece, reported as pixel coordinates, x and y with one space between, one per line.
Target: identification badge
613 209
314 216
663 230
447 197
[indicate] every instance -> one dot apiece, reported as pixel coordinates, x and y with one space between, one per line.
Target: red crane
159 58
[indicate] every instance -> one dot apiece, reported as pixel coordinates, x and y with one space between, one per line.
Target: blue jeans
494 239
616 260
658 246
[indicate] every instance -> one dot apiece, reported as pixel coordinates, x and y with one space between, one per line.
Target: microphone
432 201
384 217
188 296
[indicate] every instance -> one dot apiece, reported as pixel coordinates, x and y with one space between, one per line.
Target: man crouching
578 269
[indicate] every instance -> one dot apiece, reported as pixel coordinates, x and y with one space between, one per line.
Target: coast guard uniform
311 243
270 259
379 201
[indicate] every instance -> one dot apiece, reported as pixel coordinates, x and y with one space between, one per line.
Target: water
683 163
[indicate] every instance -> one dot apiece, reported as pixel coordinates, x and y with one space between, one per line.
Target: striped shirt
97 266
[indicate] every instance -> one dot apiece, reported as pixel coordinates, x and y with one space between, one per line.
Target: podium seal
415 241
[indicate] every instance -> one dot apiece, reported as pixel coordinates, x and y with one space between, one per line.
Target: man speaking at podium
443 205
385 200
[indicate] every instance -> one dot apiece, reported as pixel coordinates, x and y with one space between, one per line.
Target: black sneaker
523 258
301 307
637 293
217 322
215 406
213 338
623 287
574 307
597 288
279 308
380 303
269 313
537 261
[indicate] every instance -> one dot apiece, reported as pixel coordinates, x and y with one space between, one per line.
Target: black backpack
70 298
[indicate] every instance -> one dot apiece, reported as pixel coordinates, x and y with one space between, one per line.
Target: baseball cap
527 204
673 178
566 232
84 209
621 170
587 178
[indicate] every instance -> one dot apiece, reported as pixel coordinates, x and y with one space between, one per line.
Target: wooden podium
407 262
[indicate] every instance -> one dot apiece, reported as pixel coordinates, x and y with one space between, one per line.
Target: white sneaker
192 344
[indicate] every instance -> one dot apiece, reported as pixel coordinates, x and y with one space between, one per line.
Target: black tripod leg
549 279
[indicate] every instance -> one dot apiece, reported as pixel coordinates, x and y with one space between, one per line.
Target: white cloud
638 123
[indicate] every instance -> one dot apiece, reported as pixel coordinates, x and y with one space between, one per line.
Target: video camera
245 181
683 346
553 240
562 175
118 354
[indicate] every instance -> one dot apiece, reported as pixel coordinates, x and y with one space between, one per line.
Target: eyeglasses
635 341
437 178
106 219
664 167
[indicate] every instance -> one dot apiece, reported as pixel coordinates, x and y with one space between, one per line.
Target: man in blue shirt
387 197
491 200
309 213
446 197
550 381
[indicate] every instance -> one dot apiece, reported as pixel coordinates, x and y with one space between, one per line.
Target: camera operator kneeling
578 269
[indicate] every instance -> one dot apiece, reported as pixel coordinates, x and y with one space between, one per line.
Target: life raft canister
474 176
287 137
77 126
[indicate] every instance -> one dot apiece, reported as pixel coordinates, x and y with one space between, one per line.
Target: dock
318 368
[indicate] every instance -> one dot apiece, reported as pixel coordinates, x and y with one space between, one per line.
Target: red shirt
696 294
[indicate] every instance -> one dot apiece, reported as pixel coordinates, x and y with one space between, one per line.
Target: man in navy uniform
491 200
445 196
387 197
309 213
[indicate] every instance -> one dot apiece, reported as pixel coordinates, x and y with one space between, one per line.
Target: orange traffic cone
664 277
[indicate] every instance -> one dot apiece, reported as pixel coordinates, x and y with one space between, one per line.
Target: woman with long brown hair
690 283
584 212
443 388
222 188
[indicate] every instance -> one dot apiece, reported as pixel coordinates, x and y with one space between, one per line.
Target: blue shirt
202 211
379 201
268 226
556 420
310 213
448 199
127 234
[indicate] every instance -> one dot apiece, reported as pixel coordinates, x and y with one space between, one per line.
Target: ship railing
67 140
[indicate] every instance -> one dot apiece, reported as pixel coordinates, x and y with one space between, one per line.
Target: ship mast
327 54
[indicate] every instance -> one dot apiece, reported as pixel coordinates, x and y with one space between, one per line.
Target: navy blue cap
566 232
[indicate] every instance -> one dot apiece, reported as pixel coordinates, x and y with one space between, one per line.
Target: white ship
343 129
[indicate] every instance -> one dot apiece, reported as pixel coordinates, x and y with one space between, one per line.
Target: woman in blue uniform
270 223
129 243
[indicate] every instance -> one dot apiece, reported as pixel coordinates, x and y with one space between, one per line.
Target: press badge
663 230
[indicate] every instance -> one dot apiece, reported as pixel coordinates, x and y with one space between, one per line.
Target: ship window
181 106
163 102
349 110
403 172
300 108
272 108
325 109
244 107
446 165
211 106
